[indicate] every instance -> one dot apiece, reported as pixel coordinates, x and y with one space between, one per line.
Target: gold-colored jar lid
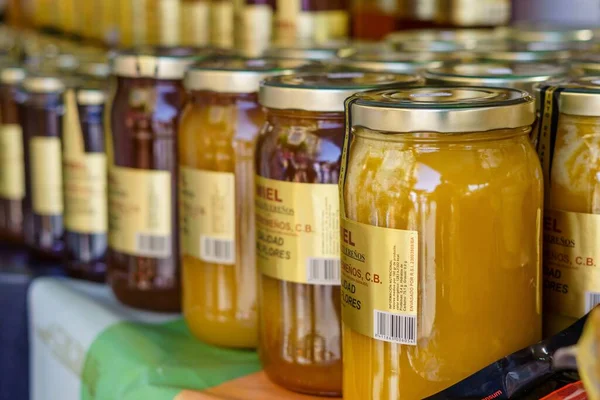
401 62
43 84
237 75
578 96
443 109
158 63
12 75
327 91
514 75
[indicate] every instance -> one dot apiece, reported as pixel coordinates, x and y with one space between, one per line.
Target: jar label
46 175
379 282
12 172
140 211
297 231
84 177
195 19
208 215
571 257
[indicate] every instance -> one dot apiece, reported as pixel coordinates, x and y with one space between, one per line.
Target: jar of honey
12 172
217 137
41 116
147 99
569 149
297 225
84 166
441 237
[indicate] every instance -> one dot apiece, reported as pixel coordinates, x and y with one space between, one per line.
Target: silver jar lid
444 110
308 52
12 75
325 92
547 33
237 75
578 96
401 62
157 63
514 75
90 96
43 84
522 54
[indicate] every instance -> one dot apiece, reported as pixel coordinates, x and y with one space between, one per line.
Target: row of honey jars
53 197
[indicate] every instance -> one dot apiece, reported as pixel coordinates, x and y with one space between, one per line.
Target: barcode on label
395 328
592 299
217 250
153 245
323 270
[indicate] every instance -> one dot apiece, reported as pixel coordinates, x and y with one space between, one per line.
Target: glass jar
217 136
40 115
516 75
12 170
84 164
297 226
195 23
569 149
442 204
254 22
472 13
143 256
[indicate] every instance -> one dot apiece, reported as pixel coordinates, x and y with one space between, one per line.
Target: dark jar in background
41 112
84 166
12 170
143 256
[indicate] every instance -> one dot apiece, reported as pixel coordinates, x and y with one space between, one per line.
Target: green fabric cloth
132 361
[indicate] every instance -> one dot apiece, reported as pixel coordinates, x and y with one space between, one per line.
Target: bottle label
84 177
140 211
297 231
480 12
195 18
379 282
297 23
208 215
12 172
46 175
255 22
571 256
221 24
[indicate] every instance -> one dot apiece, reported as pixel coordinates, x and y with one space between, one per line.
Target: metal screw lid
327 91
442 109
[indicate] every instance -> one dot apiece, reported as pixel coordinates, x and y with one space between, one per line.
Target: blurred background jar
297 224
195 20
374 19
41 117
217 136
84 164
12 172
310 21
147 98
